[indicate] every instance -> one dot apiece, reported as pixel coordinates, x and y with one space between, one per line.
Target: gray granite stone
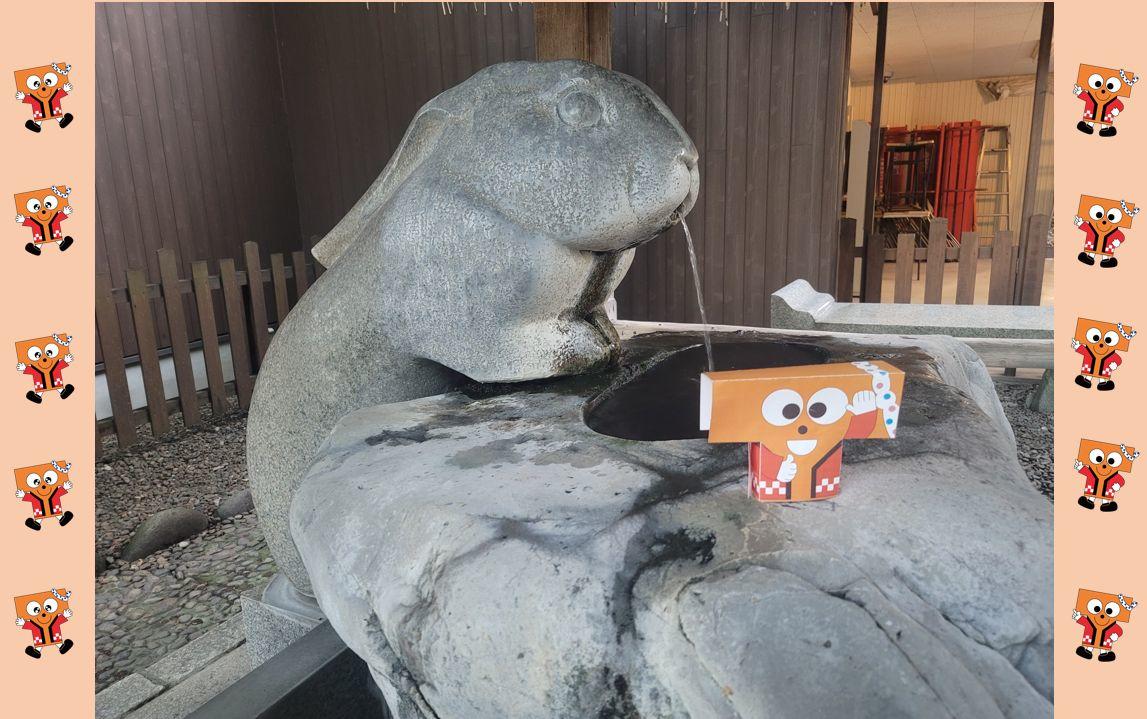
238 503
193 692
125 695
275 617
499 558
162 530
196 654
486 249
1042 397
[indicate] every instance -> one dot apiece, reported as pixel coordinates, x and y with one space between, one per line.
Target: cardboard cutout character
43 614
1102 222
44 87
43 486
1097 342
1101 88
44 359
796 419
46 210
1099 613
1103 466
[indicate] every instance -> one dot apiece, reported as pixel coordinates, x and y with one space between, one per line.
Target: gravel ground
1033 431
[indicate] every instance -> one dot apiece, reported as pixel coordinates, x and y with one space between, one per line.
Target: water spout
700 297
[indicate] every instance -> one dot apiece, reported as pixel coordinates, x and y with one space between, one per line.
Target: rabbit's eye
579 109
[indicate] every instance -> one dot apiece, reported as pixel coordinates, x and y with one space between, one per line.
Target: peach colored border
59 286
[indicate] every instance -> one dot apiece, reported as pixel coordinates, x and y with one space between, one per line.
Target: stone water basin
489 554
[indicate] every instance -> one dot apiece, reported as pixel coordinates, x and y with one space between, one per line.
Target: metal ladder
993 182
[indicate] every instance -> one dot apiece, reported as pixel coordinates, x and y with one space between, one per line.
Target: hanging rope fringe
1124 333
1132 81
68 68
1127 606
1130 457
1130 213
68 467
67 191
62 342
68 595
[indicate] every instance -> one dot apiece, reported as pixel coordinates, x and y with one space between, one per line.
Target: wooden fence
910 257
244 326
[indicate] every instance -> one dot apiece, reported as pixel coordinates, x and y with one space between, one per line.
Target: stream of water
700 297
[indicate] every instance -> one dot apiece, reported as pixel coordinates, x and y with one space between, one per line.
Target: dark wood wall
764 99
354 75
192 150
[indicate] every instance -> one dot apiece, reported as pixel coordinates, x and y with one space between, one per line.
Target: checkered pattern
771 488
827 486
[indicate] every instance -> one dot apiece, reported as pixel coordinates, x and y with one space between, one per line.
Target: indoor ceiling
937 42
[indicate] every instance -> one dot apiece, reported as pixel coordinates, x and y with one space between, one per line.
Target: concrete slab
195 655
196 690
125 695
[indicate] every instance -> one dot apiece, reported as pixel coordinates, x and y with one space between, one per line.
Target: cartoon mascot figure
44 88
43 486
1103 466
1098 341
47 209
1099 613
43 614
1102 222
1100 89
45 358
795 421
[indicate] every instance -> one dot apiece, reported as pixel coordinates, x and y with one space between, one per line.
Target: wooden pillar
1029 269
579 31
870 278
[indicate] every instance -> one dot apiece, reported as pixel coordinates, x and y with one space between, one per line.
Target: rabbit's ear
417 144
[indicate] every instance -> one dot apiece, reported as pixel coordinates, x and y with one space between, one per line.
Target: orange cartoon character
44 88
1102 222
43 486
43 614
44 358
1097 342
1099 613
1101 88
795 421
1103 466
47 209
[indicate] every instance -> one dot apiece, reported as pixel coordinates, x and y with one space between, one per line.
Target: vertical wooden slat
279 282
237 329
1033 261
148 352
934 273
905 260
107 324
201 283
966 275
177 328
258 300
846 259
1003 269
873 268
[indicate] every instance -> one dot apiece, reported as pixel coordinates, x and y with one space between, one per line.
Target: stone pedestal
276 616
489 555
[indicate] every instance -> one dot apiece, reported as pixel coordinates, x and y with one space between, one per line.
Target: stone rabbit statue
486 248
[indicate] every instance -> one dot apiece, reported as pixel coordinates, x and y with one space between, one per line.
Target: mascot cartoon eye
50 79
579 109
782 407
1096 456
1093 335
1113 84
1111 609
32 205
32 480
1114 215
50 477
35 353
1095 81
33 82
1094 606
1115 459
1111 339
33 608
50 606
827 405
50 202
1096 212
51 350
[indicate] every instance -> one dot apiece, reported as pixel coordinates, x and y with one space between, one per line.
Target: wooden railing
244 310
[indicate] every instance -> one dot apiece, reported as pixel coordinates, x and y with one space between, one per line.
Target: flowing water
700 297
